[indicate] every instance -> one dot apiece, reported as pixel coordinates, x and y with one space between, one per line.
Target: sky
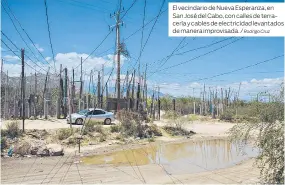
78 27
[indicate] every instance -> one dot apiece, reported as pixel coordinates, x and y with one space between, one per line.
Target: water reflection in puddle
193 156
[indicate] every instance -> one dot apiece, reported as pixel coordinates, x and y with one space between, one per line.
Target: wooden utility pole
128 87
102 81
143 98
222 97
152 105
237 99
1 81
127 83
89 90
203 103
36 96
23 88
44 96
6 104
72 92
133 89
65 92
99 91
138 97
80 91
158 102
70 102
145 85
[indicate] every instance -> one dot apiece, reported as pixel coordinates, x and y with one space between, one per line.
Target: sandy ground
68 169
44 124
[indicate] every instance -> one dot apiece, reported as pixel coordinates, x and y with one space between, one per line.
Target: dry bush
150 131
176 127
174 131
23 148
90 127
64 133
13 129
171 115
115 128
129 123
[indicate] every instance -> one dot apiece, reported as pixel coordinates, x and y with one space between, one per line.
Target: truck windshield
83 112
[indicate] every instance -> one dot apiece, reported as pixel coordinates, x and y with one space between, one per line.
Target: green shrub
89 127
64 133
13 129
171 115
115 128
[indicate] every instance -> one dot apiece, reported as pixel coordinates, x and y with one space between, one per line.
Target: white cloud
247 87
10 58
39 48
68 60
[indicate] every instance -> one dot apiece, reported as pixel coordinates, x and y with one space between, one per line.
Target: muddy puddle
188 157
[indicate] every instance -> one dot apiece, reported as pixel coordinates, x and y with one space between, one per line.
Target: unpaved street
71 169
56 170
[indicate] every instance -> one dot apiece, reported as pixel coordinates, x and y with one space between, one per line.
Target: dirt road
56 170
70 169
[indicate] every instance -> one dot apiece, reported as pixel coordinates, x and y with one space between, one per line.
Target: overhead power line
20 33
19 50
26 33
168 57
20 57
206 46
199 56
83 5
129 9
135 32
46 8
95 48
145 24
140 54
185 74
239 69
155 21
